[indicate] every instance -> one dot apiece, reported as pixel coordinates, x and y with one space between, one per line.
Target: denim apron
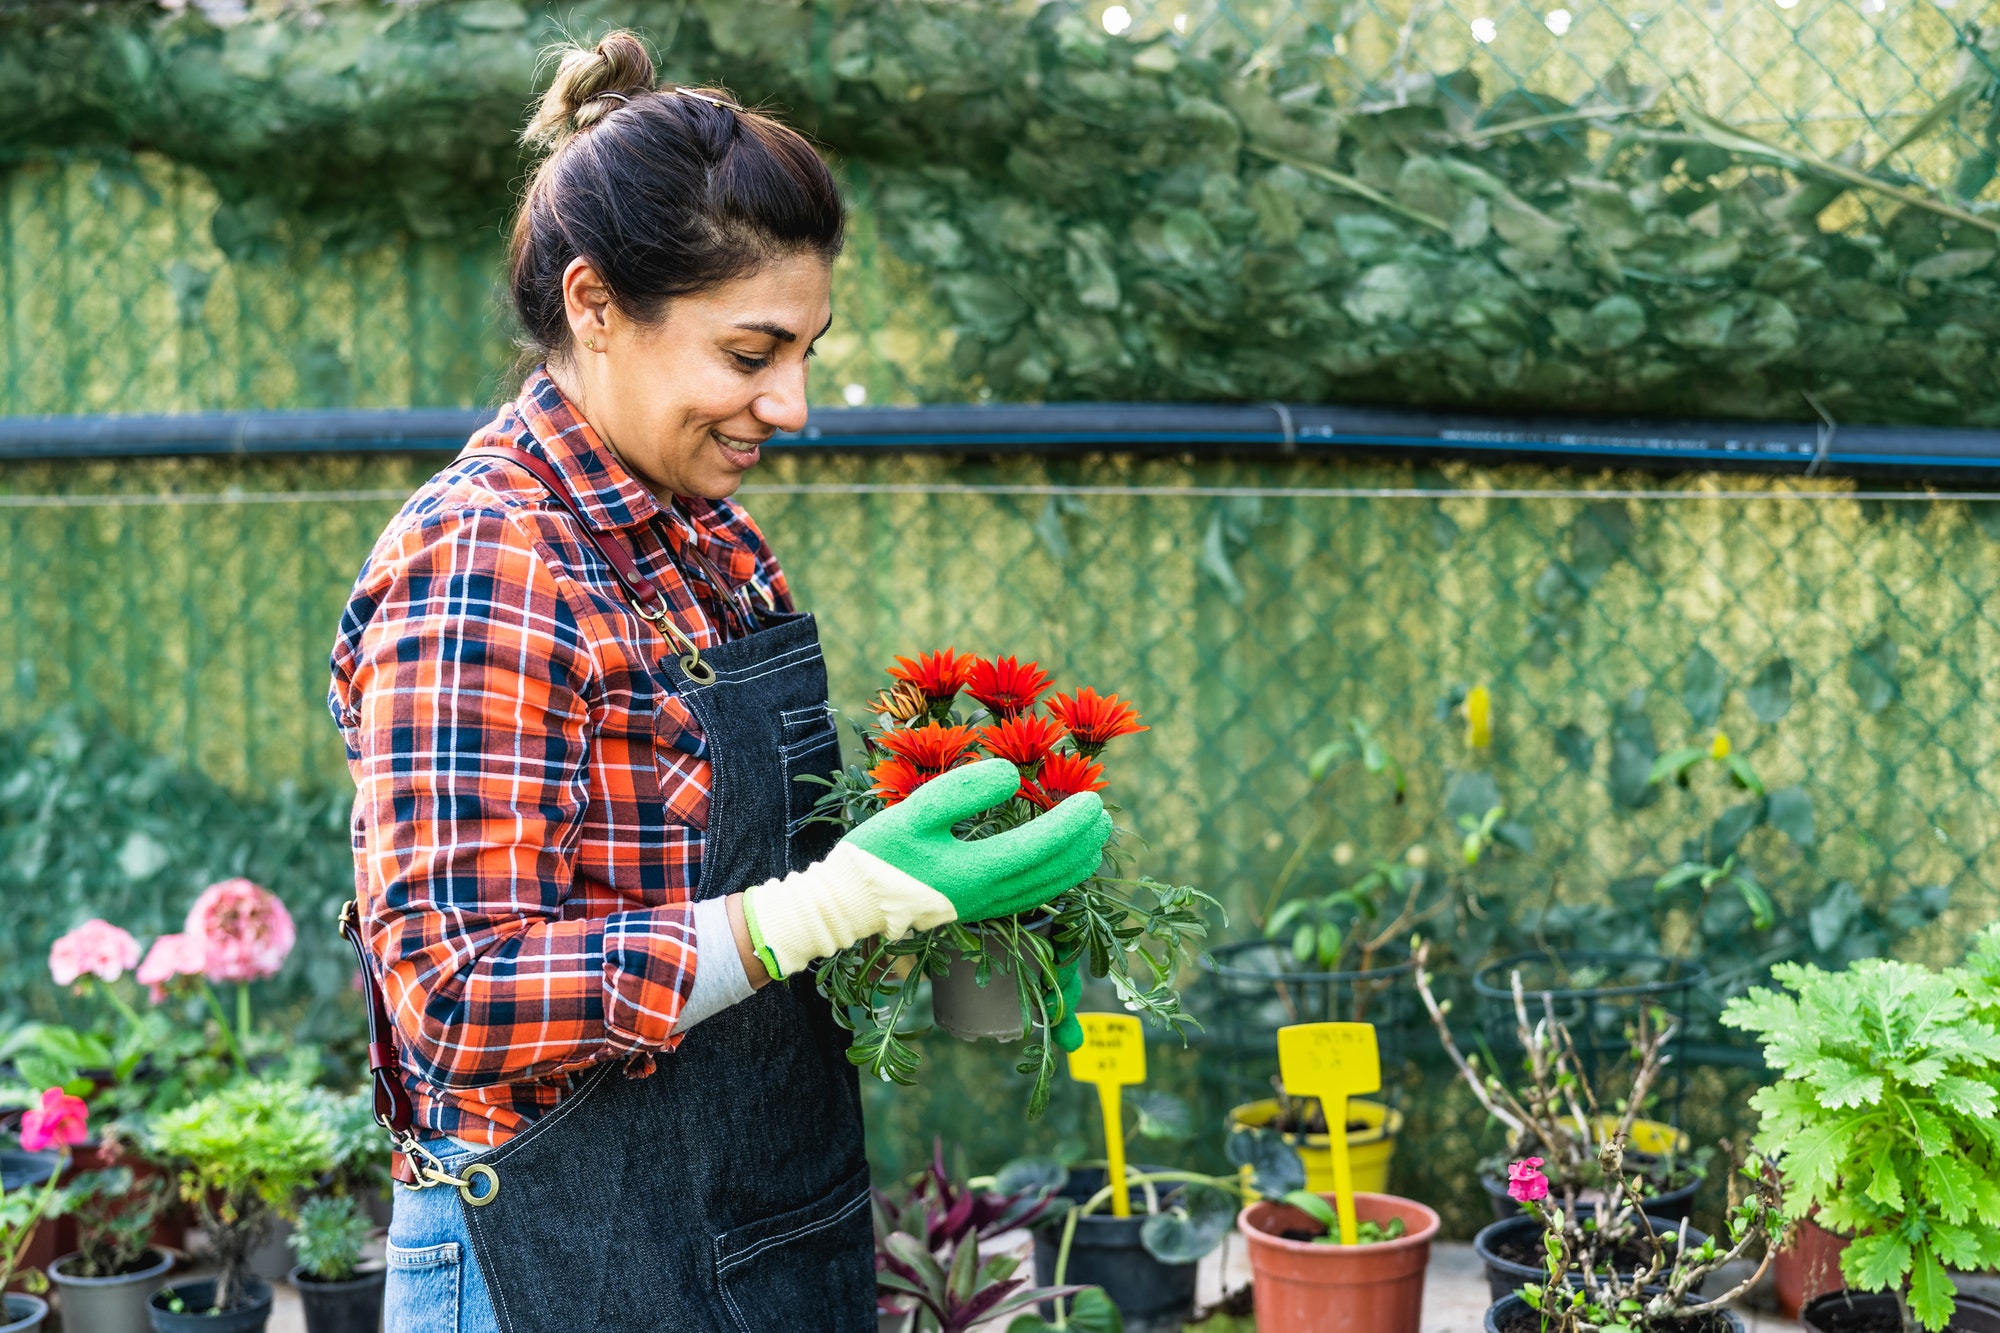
727 1192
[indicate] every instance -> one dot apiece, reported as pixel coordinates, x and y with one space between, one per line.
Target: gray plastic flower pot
24 1314
115 1304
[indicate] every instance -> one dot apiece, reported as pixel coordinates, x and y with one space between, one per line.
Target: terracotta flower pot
1807 1268
1303 1287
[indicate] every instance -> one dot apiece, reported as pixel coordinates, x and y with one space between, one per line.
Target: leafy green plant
1366 1232
327 1237
242 1155
115 1211
1349 908
1884 1116
1716 859
1133 930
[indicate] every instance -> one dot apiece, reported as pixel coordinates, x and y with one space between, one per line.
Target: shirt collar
607 495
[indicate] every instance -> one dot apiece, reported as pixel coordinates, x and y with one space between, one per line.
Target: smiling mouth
741 452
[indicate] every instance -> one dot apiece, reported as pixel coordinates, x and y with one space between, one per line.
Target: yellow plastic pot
1368 1150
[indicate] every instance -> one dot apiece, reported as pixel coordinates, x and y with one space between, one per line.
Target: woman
579 710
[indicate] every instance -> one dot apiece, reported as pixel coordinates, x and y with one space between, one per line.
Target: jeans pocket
813 1267
423 1288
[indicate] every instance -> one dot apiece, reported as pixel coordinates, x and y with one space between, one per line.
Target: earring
591 343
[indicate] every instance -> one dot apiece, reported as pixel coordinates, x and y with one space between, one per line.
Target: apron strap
642 592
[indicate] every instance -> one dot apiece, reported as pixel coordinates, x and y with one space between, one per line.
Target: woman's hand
904 869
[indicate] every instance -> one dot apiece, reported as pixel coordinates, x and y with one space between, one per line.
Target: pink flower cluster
61 1121
235 931
1525 1181
96 948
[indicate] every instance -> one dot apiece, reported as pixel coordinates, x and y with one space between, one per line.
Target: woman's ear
587 304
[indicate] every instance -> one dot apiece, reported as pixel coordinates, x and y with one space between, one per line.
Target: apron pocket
420 1294
813 1267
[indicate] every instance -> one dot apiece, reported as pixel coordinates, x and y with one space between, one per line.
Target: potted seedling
1585 1286
106 1282
338 1294
999 979
242 1154
57 1122
1882 1125
1556 1113
928 1271
1307 1280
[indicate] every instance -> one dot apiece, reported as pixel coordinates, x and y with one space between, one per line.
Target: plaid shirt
531 793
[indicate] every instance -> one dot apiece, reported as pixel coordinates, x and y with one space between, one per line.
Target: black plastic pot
198 1295
353 1306
1973 1315
1675 1203
1106 1252
1504 1277
1499 1311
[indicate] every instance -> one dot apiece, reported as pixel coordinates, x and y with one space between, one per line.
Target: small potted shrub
339 1296
243 1153
60 1122
1586 1289
1882 1124
999 979
1306 1281
106 1282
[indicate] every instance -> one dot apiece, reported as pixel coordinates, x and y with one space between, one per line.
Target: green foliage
115 1211
1366 1231
328 1236
1884 1119
1227 214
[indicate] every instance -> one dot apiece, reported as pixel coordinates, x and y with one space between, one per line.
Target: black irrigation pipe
1246 430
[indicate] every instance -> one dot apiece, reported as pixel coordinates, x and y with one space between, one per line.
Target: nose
782 404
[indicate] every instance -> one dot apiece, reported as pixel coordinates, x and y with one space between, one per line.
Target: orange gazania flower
1063 775
1023 741
904 703
940 675
1007 687
896 778
931 747
1094 719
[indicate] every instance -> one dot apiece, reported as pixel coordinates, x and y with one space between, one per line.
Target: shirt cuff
719 978
649 967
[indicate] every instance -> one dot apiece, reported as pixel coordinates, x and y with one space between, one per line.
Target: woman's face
686 402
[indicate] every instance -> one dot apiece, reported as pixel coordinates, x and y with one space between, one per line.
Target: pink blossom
97 948
1525 1181
245 932
171 956
60 1120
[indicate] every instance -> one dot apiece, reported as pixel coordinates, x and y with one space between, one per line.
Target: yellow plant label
1113 1050
1329 1059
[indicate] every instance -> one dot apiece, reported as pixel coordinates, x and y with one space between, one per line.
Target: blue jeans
434 1283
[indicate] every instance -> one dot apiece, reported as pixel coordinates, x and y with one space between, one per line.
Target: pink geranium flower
1525 1181
245 931
61 1120
96 948
171 956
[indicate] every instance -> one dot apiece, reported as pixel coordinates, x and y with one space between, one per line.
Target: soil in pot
353 1306
1512 1251
1301 1286
1875 1312
1107 1252
23 1313
197 1296
1515 1315
115 1304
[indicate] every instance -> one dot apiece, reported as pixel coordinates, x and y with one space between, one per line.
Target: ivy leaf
1574 744
1733 825
1876 1262
1274 1164
1031 1175
1161 1115
1702 685
1790 811
1770 692
1871 672
1190 1231
1831 915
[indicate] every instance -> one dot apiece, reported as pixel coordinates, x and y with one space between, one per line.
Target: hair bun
589 85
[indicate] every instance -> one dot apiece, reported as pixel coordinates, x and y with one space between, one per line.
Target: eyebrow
780 332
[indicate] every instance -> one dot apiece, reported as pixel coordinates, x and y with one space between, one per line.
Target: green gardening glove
904 870
1068 993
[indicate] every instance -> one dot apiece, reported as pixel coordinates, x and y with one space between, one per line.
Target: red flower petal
1093 719
1023 741
940 675
1006 686
931 747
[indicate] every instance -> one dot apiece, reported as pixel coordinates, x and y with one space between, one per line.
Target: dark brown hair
666 191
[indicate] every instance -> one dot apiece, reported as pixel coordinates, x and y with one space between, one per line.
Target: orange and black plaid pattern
531 792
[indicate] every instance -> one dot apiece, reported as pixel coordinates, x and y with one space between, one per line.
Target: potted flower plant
1882 1125
1586 1288
243 1154
338 1294
106 1282
58 1122
1000 979
1305 1280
